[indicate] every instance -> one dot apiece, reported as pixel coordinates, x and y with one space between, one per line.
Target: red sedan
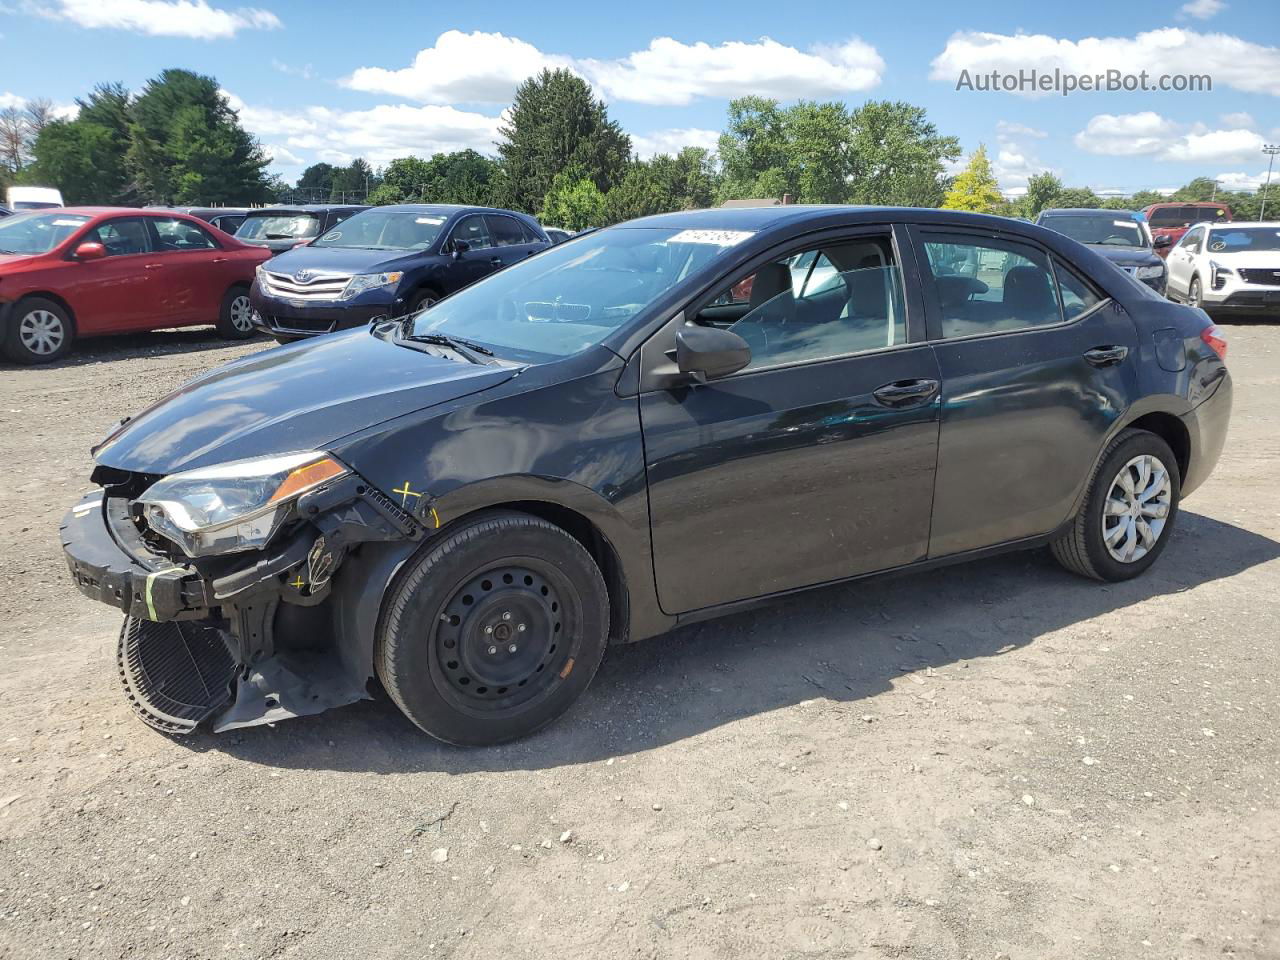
88 271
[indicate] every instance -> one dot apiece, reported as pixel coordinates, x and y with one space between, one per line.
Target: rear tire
40 331
494 631
1128 513
235 318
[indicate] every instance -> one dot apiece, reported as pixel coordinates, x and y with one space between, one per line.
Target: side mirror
1164 240
90 251
710 352
459 248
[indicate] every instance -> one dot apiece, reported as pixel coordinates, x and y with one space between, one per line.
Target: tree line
559 157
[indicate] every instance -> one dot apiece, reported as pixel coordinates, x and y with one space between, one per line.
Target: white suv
1228 266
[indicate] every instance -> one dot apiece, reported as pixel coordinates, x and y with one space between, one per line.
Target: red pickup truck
1173 219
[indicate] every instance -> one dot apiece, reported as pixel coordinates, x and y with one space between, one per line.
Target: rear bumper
1207 427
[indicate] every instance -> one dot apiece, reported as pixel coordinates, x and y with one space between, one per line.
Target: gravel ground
994 760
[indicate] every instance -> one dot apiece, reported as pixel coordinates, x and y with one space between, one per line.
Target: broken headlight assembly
233 506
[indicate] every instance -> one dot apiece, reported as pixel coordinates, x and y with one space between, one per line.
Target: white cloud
305 72
1202 9
282 156
161 18
61 111
1007 130
673 141
1150 134
1241 119
8 100
1013 168
1250 182
487 67
379 134
672 73
1230 61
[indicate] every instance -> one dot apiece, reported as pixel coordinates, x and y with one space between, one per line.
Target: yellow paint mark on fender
436 517
567 667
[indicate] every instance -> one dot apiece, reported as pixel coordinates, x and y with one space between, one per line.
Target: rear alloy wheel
235 321
494 631
1128 512
39 332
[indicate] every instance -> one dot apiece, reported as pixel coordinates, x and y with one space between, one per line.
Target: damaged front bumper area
232 641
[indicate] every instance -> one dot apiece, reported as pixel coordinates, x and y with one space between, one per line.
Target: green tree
897 156
352 183
555 124
975 189
187 145
574 202
1077 197
84 157
754 156
1043 190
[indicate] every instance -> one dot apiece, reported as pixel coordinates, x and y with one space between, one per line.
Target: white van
33 198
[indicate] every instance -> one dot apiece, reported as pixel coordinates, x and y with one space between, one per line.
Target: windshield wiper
466 348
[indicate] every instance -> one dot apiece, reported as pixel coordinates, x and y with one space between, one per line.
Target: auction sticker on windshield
719 238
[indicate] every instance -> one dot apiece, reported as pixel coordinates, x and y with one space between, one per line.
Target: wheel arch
1171 430
49 295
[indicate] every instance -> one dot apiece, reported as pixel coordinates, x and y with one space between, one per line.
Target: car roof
86 211
448 209
1240 224
758 219
1091 212
306 208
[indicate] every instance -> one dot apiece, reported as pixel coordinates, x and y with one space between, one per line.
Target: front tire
40 331
422 300
1128 513
1194 298
494 631
235 318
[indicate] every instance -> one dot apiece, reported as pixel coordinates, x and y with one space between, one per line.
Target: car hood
1249 259
344 260
1126 256
295 398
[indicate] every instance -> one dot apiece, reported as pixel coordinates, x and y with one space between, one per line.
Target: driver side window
841 298
473 230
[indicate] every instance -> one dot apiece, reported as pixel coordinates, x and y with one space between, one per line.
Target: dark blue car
387 262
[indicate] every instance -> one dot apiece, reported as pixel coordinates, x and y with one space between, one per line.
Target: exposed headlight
363 282
233 506
1151 272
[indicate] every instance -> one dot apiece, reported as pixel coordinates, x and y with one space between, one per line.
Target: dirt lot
993 760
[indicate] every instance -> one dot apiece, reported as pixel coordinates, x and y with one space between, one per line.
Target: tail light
1215 339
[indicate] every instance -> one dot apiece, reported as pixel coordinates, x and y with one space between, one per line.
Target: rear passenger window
990 285
1077 296
838 299
506 231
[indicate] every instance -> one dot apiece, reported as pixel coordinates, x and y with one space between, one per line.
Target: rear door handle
905 393
496 261
218 260
1106 356
153 266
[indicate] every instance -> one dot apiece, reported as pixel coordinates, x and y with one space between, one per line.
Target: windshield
1238 239
277 226
1112 231
37 232
386 230
571 296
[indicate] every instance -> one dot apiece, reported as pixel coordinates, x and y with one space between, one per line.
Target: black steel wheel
494 631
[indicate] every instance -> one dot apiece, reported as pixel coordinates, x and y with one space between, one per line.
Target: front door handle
218 260
496 261
153 266
905 393
1106 356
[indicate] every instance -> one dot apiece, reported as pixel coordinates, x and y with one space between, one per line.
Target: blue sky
330 81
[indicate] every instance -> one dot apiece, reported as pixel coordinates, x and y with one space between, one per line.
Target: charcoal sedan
644 426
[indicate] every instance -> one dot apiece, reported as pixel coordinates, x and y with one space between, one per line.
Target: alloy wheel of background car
1136 508
39 332
445 647
1129 507
235 318
242 314
1193 293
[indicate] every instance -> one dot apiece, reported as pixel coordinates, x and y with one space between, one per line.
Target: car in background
32 198
556 235
226 219
88 271
1228 267
283 228
386 262
1173 219
1119 235
5 212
